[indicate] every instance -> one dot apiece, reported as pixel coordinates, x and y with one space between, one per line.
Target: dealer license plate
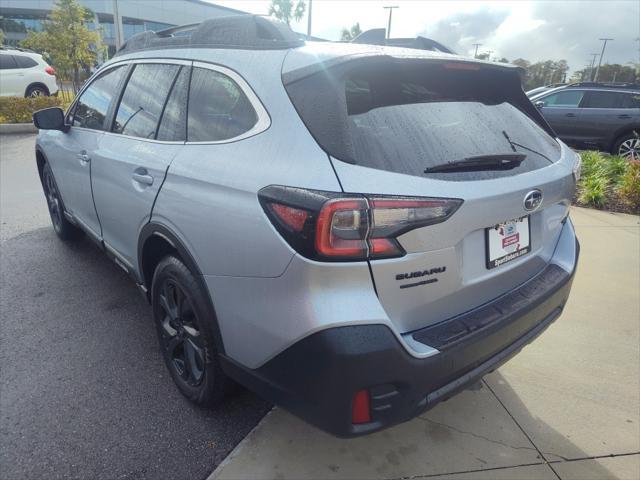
508 241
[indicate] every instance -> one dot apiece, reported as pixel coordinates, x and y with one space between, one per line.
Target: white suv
25 74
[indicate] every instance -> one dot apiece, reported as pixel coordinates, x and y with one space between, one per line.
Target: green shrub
19 109
593 190
629 185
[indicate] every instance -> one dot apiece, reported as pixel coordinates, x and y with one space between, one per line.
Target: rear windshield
409 115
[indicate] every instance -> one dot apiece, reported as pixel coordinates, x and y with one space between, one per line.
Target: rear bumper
317 377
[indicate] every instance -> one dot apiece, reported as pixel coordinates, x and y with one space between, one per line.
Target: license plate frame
500 239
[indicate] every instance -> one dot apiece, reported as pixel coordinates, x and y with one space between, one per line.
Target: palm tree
349 34
285 11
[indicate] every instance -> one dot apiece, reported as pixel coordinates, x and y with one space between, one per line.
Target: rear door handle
143 178
84 158
570 115
624 115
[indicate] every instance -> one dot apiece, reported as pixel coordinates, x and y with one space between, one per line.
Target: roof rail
631 85
378 36
19 49
248 32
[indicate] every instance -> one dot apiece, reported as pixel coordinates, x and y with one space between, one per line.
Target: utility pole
593 62
389 26
309 19
489 52
605 40
475 55
117 24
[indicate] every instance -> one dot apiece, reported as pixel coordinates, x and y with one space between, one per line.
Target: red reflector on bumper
360 412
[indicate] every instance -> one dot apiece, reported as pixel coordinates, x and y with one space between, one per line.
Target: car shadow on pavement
85 392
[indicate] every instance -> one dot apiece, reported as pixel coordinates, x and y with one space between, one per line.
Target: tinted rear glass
406 116
604 99
7 62
25 62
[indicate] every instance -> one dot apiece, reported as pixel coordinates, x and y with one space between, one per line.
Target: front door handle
570 115
624 116
84 158
143 178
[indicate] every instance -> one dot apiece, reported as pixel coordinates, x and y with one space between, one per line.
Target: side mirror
50 119
539 104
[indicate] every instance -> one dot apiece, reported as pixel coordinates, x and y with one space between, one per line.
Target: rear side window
93 105
603 99
143 99
7 62
218 108
173 125
564 99
25 62
408 115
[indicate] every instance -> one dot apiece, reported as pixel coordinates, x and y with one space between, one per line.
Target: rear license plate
508 241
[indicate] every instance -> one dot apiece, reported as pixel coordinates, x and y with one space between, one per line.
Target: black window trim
264 119
166 101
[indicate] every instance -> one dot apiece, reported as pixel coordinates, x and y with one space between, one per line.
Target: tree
285 11
349 34
1 37
609 73
67 40
542 73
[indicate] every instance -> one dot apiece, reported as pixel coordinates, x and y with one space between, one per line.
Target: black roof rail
247 32
623 85
378 36
19 49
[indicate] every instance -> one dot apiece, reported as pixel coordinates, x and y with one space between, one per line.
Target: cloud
570 30
459 31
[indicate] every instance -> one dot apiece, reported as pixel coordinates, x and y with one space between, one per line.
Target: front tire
183 319
64 228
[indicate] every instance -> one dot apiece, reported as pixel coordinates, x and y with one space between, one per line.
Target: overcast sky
534 30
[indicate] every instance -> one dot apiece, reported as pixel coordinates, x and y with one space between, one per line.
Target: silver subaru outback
354 232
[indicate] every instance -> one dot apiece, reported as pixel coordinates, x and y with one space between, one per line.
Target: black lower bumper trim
317 377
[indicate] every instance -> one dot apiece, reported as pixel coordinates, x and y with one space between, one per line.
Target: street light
605 40
475 55
389 26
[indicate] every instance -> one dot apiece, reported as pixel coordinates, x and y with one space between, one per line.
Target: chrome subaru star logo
532 200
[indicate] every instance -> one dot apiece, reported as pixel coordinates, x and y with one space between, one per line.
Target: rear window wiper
480 163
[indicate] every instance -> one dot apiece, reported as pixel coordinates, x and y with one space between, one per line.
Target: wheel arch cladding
156 242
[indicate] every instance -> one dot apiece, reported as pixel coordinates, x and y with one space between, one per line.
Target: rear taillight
330 226
50 70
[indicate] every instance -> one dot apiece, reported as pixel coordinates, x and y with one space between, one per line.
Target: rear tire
183 319
64 228
628 146
37 91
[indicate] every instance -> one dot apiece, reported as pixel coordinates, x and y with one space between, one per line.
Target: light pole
593 62
389 26
475 55
604 45
309 19
489 52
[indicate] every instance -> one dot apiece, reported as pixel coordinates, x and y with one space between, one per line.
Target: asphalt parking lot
84 392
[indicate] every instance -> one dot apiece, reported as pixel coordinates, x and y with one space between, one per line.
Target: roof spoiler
378 36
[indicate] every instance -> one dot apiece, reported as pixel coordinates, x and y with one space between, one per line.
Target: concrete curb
17 128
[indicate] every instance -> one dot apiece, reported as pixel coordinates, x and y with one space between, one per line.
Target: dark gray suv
591 115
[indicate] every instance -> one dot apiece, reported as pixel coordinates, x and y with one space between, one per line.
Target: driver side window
565 99
93 105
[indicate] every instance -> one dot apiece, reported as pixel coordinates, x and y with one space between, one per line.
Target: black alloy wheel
63 228
186 326
180 333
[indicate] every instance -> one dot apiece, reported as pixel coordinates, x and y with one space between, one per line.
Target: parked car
595 115
352 232
537 91
25 74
